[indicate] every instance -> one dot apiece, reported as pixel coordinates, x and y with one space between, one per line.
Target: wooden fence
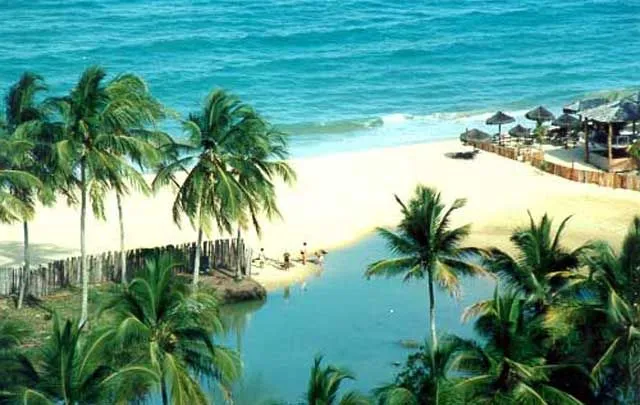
525 154
536 157
612 180
225 255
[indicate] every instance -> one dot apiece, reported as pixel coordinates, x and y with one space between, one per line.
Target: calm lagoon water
353 322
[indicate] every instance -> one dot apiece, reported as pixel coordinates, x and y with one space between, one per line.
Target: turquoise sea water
338 75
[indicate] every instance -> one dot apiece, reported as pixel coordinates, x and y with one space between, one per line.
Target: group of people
287 260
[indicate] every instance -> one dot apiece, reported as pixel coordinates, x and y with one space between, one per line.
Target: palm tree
602 314
231 159
159 322
16 371
541 258
324 384
511 367
95 146
420 383
71 369
255 168
427 247
24 122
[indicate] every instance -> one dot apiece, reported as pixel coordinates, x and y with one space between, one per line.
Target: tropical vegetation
562 327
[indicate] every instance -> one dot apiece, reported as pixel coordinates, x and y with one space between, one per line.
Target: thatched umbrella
498 119
474 135
566 121
539 115
586 104
520 132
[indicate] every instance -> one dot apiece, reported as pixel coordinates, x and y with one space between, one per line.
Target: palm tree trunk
123 257
238 254
432 317
25 269
196 260
163 387
83 252
434 337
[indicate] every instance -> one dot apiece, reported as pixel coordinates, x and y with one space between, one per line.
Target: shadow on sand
12 253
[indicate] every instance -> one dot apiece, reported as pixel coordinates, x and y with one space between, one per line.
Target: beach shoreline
341 198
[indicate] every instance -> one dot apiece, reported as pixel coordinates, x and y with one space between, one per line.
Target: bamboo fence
611 180
230 256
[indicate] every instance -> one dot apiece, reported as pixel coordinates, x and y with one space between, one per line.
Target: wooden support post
610 152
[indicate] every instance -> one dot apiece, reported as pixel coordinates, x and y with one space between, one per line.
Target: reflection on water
353 322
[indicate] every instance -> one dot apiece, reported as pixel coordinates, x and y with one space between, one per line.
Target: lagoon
354 322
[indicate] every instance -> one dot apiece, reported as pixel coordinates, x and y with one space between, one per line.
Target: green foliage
324 384
420 383
425 243
538 269
232 158
168 329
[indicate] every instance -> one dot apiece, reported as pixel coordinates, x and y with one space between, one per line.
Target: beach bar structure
605 122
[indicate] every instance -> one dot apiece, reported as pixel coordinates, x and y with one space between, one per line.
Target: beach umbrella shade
474 135
586 104
519 131
498 119
539 115
566 121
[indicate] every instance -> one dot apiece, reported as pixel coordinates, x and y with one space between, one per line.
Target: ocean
337 75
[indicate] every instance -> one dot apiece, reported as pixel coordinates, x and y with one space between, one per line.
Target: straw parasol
474 135
566 121
539 115
498 119
519 131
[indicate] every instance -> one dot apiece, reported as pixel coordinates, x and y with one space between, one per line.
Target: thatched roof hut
614 112
586 104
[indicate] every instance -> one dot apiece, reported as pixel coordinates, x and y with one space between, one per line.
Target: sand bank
340 198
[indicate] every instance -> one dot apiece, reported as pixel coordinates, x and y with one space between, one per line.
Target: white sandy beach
340 198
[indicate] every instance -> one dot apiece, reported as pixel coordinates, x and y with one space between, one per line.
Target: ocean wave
390 121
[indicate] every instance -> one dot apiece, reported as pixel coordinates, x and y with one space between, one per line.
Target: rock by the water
231 290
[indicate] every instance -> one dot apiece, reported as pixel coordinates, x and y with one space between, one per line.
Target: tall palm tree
324 385
159 322
426 246
540 257
231 158
94 146
511 367
24 123
144 147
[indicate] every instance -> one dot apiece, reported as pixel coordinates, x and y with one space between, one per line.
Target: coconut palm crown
426 246
231 158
